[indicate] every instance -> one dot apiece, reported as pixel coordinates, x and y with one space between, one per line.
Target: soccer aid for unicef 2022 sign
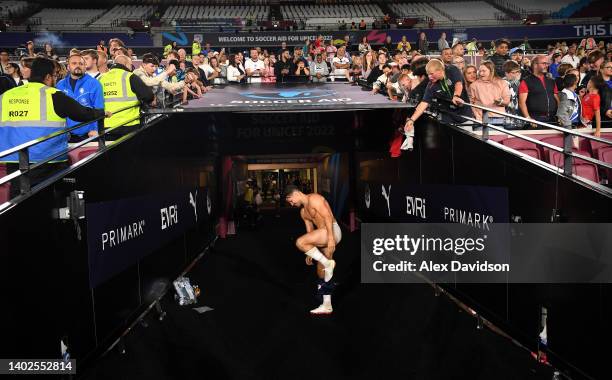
121 232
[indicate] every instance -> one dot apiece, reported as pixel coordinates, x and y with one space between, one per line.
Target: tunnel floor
261 292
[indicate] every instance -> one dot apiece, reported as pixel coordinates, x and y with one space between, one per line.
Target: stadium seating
78 154
67 18
469 10
523 146
605 155
124 12
348 13
12 8
541 6
201 12
418 10
596 146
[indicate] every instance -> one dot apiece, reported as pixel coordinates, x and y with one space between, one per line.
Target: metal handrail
23 149
567 136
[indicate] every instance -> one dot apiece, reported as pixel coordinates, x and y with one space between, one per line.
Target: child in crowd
591 104
568 111
191 89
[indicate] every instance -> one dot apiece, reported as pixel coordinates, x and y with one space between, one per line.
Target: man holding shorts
322 231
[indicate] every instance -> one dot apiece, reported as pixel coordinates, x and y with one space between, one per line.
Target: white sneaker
329 270
322 310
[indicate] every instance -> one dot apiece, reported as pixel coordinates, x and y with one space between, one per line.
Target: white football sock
327 300
317 255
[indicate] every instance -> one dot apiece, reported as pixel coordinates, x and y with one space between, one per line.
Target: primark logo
122 234
474 219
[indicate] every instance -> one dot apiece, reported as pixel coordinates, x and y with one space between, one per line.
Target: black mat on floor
261 292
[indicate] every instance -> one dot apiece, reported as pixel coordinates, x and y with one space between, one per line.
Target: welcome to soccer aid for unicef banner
121 232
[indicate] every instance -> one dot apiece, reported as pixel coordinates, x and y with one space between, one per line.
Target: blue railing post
24 165
567 149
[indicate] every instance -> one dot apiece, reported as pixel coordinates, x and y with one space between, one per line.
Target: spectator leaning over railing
319 70
146 72
84 89
489 91
445 83
36 110
122 89
380 85
538 93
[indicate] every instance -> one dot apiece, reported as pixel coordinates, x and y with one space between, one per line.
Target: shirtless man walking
322 231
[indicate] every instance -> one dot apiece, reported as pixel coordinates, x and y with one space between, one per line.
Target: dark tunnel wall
45 275
445 156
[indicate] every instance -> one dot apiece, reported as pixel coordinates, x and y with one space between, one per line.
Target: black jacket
499 60
541 102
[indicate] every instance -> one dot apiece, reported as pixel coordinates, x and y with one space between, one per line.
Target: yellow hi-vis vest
27 114
118 94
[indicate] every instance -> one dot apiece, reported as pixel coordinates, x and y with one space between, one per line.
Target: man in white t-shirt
571 57
254 67
340 63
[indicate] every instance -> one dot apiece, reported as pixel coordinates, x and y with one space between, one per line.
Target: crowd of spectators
505 79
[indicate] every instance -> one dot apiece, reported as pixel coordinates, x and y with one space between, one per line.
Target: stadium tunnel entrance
158 199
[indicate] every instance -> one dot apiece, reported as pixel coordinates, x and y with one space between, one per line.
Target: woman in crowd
364 46
489 91
368 63
562 69
49 52
301 70
377 71
213 71
12 70
235 70
423 44
470 76
268 71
